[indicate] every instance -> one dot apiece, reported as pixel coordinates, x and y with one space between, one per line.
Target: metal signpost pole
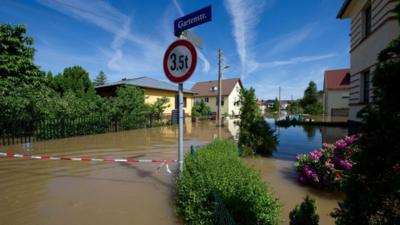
180 61
180 129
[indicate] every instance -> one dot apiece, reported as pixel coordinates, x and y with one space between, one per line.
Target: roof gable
210 88
337 79
146 82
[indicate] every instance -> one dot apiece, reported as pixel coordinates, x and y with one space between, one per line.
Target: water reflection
303 139
310 131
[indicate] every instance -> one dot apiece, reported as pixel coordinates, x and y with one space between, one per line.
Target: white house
208 92
373 26
336 93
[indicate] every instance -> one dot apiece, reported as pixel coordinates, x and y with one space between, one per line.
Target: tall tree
23 90
275 105
310 102
100 79
310 94
75 79
373 188
16 52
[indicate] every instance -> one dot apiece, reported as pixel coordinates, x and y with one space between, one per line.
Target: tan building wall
151 96
336 99
212 103
365 48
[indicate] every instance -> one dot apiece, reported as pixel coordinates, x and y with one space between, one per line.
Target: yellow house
153 89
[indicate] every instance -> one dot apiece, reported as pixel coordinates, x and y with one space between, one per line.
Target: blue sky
267 43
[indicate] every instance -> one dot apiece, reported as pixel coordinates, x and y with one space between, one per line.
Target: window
367 21
365 79
206 99
222 101
214 89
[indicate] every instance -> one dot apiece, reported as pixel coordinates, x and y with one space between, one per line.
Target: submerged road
82 192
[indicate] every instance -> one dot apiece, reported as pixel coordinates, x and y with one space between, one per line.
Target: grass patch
215 184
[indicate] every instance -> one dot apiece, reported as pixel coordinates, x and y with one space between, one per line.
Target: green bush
200 109
255 133
305 214
214 174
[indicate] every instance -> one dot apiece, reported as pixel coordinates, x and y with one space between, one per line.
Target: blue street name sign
193 19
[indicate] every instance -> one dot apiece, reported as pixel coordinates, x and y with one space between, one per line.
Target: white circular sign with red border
180 60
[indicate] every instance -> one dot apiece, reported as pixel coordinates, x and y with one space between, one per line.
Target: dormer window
214 88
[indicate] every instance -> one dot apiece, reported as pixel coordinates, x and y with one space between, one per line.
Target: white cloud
101 14
296 60
245 15
288 41
178 7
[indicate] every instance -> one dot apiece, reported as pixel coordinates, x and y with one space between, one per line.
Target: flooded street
69 192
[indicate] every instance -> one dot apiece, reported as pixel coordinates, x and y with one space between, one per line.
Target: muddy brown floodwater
75 192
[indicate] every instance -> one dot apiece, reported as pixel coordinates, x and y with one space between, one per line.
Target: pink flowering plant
327 167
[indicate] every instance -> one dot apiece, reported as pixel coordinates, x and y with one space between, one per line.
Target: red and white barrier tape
47 157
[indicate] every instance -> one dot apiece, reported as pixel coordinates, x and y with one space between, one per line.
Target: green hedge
214 174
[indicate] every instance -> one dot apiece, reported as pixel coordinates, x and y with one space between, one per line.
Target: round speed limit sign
180 60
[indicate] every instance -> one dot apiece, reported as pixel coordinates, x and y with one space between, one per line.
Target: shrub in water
255 133
327 167
305 214
216 184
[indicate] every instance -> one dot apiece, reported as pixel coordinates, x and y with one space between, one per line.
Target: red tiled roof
337 79
210 88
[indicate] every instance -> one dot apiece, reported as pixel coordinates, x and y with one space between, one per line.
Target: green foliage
23 90
129 106
24 98
274 108
310 94
275 105
255 132
16 52
200 109
157 109
305 214
214 175
313 109
100 79
29 95
294 107
75 79
310 102
372 190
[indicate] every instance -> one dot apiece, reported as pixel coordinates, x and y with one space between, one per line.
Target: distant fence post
62 126
115 125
